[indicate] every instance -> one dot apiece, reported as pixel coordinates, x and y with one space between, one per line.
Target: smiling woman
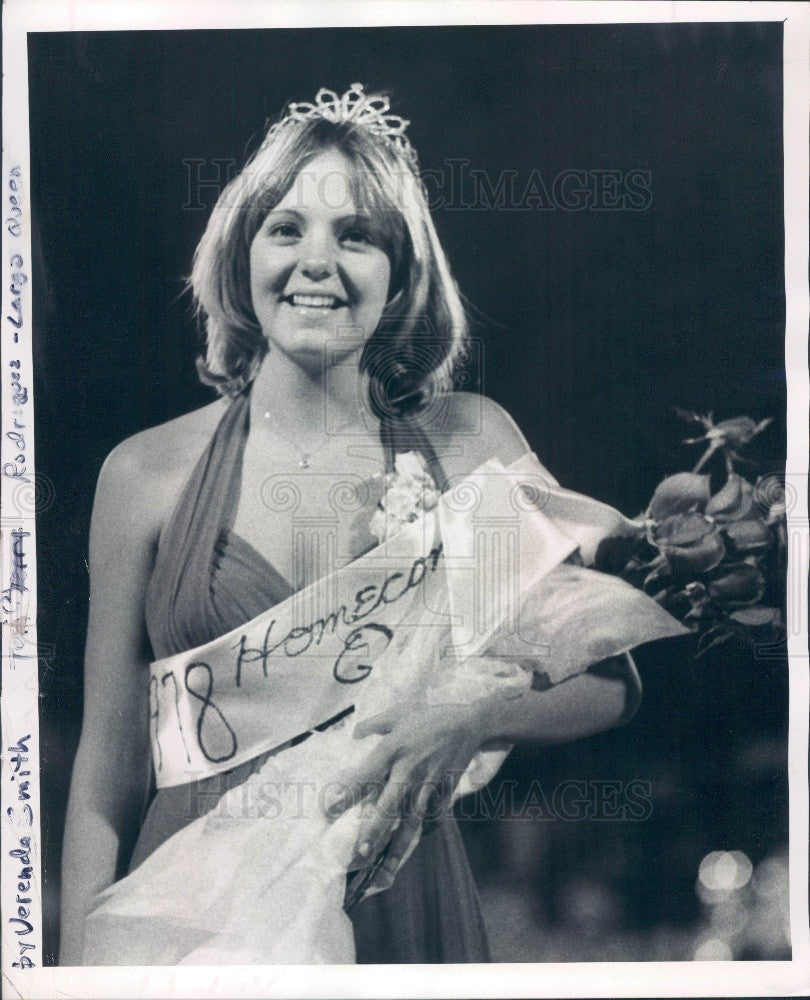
333 323
319 275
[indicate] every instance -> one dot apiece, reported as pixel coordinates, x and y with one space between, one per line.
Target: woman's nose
317 259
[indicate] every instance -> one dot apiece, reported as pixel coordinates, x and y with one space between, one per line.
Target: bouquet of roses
716 561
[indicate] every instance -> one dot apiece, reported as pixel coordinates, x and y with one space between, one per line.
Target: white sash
490 539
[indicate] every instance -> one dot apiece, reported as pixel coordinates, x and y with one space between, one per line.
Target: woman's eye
284 230
357 236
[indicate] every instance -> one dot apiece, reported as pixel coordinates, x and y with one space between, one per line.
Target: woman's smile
308 300
319 275
314 307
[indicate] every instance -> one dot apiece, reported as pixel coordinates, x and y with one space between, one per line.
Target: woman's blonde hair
422 334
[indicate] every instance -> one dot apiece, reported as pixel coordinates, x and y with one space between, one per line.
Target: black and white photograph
409 594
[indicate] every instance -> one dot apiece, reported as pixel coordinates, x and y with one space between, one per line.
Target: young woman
333 329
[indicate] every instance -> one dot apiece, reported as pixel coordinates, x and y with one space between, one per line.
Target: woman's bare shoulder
159 450
142 476
468 428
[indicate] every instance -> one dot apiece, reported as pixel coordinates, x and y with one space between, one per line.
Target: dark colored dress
206 581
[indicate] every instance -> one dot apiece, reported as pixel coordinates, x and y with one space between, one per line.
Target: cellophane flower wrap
261 879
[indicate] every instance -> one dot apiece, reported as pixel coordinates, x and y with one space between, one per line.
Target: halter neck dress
208 580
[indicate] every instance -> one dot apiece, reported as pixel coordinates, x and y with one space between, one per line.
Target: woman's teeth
315 301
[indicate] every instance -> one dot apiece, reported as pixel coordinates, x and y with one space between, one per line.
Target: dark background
593 325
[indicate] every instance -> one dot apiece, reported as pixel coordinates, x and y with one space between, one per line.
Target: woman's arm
111 771
580 706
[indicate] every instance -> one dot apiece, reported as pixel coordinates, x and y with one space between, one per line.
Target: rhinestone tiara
368 111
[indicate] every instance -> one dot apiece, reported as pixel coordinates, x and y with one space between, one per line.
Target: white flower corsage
409 492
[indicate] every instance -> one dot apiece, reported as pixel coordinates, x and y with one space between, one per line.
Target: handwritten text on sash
360 642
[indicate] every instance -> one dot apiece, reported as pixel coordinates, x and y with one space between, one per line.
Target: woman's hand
423 750
410 776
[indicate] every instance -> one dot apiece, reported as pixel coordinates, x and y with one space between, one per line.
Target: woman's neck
311 403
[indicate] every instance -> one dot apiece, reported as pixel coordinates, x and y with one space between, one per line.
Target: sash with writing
491 538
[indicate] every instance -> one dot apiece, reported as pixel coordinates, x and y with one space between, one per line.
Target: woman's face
318 274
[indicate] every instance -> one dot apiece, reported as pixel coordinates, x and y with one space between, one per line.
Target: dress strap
402 434
177 597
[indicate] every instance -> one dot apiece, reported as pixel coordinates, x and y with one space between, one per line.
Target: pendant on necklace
304 462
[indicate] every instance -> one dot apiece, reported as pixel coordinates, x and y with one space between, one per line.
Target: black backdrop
593 324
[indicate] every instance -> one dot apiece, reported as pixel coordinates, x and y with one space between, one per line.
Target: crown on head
368 111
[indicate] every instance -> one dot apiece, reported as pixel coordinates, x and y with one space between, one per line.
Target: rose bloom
690 542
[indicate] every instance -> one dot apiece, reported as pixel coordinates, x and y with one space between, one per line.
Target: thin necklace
304 456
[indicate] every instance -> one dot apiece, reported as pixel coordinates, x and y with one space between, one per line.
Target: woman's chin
321 354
